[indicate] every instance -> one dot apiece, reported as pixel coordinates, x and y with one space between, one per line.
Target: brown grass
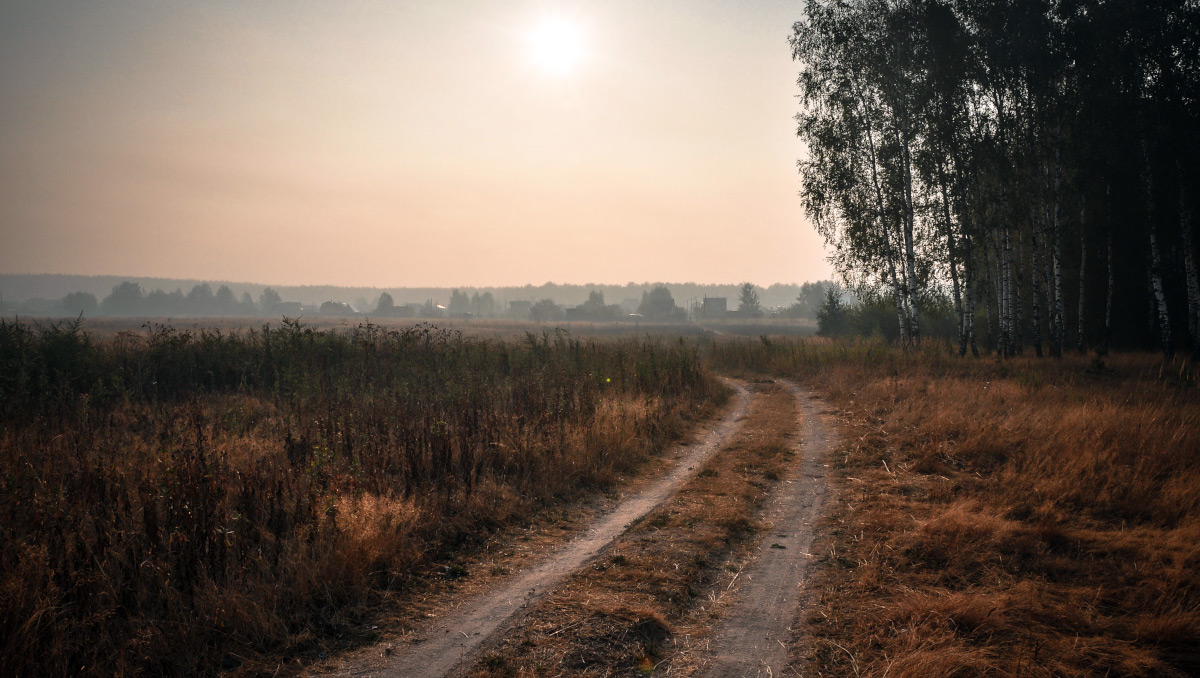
646 602
1024 518
192 504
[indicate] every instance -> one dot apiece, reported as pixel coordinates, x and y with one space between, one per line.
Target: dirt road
755 637
451 642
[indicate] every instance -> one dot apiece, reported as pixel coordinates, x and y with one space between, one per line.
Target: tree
748 306
1002 152
125 299
247 304
268 299
545 310
834 317
460 303
484 304
595 308
386 305
225 303
658 304
201 300
80 303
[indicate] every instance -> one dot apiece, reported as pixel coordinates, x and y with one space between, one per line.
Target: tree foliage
1036 158
748 306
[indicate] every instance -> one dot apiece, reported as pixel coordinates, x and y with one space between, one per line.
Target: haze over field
402 144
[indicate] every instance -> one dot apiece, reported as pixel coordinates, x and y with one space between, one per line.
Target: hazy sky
402 143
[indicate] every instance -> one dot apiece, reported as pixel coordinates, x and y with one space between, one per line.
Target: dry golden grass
1022 518
652 596
179 504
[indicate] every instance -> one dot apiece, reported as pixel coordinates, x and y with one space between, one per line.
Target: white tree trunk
1193 277
1056 322
1082 342
1160 298
1108 294
910 259
1035 281
1156 283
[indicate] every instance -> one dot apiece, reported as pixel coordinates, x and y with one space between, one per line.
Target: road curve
450 644
754 637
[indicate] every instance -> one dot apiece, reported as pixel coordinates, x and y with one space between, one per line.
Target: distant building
337 308
519 309
714 307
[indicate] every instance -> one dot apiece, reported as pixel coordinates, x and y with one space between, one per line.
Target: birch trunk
970 303
1035 281
1108 294
950 250
1056 330
1004 316
1189 266
897 294
1160 299
887 240
1156 283
910 259
1082 339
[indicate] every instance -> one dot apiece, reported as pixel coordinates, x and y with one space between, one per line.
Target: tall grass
1020 517
177 502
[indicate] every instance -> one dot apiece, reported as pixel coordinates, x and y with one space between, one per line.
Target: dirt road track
755 637
450 643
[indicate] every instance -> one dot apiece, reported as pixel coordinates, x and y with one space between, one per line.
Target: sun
556 45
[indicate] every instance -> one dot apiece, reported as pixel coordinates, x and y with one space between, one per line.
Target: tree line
1032 163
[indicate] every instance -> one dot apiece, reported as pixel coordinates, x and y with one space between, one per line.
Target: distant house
520 309
714 307
337 308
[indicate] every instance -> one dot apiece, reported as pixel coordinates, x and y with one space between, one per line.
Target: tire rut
755 637
448 645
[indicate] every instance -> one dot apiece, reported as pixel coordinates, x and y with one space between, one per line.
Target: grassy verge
192 502
650 599
1025 517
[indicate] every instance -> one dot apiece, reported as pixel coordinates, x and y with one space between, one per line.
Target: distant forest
1035 164
49 295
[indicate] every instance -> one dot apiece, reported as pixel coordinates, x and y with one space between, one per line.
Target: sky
403 143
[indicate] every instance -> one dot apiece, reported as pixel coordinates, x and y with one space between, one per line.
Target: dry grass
1023 518
190 504
648 600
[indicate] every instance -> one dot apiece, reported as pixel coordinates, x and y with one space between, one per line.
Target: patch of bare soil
455 632
647 604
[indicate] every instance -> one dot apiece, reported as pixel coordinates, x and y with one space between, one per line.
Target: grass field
1023 517
183 502
211 500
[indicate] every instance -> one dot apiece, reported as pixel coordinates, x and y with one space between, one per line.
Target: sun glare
556 45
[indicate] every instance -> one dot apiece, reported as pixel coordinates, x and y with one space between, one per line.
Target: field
1019 517
244 501
111 327
184 502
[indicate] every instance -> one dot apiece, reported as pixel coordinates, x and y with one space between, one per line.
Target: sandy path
754 637
449 643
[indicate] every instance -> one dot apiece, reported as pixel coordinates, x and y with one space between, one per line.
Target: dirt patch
448 641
